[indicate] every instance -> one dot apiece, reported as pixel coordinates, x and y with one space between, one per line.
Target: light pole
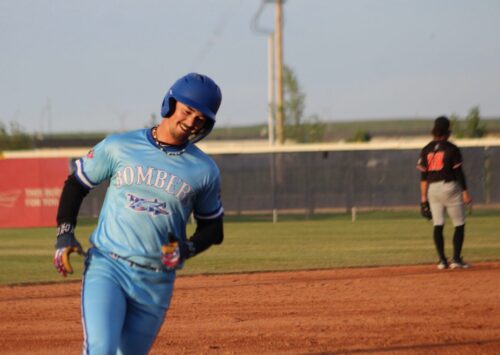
270 71
270 101
280 116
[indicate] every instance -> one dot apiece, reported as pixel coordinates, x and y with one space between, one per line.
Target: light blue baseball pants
123 306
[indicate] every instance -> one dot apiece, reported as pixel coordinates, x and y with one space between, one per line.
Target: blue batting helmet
199 92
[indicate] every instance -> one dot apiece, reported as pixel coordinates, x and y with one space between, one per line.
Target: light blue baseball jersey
152 192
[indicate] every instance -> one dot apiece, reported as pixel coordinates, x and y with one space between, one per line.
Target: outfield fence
324 179
316 178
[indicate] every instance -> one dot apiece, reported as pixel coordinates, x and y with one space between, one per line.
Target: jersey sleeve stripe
216 214
80 174
457 165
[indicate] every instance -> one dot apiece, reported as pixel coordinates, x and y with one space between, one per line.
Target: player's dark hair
441 127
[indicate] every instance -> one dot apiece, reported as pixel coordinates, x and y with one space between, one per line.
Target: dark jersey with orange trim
439 161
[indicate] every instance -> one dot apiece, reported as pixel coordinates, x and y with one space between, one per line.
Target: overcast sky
105 65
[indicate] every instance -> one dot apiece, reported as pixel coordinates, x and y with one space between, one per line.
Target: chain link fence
315 182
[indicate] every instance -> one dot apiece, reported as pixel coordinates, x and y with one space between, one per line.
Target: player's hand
171 255
467 198
175 252
468 201
425 210
65 245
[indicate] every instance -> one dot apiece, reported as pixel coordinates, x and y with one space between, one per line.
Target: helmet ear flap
168 107
206 129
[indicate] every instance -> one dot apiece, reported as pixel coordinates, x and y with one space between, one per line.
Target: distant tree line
297 128
13 137
471 127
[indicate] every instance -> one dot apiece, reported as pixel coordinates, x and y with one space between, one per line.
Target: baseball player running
157 178
443 187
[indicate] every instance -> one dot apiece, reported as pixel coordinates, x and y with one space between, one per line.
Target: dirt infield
386 310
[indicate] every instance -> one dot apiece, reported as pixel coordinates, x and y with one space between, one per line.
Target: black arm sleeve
208 232
71 199
460 177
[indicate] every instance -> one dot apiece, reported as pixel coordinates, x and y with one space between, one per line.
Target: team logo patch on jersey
153 206
90 154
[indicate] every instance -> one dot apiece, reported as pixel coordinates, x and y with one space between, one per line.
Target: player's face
185 121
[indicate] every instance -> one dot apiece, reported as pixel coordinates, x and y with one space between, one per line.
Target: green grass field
256 244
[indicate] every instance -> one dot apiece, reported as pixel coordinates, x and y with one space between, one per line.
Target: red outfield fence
312 178
30 190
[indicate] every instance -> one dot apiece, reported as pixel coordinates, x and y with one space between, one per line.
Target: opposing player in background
443 188
157 178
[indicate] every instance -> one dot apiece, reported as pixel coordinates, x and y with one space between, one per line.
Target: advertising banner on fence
30 191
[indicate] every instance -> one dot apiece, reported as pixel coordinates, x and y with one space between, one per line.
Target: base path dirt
383 310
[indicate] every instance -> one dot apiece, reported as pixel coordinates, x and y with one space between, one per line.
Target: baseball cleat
443 264
459 264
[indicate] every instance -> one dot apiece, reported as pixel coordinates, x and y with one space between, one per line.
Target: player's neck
441 138
161 137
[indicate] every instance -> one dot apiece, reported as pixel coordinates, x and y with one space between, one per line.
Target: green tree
314 129
296 128
293 105
473 126
360 135
456 129
4 137
14 138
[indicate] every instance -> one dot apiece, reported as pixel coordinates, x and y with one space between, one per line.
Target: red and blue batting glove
174 253
171 255
66 244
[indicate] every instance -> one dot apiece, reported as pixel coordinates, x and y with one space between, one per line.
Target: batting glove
425 210
66 244
171 255
175 253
